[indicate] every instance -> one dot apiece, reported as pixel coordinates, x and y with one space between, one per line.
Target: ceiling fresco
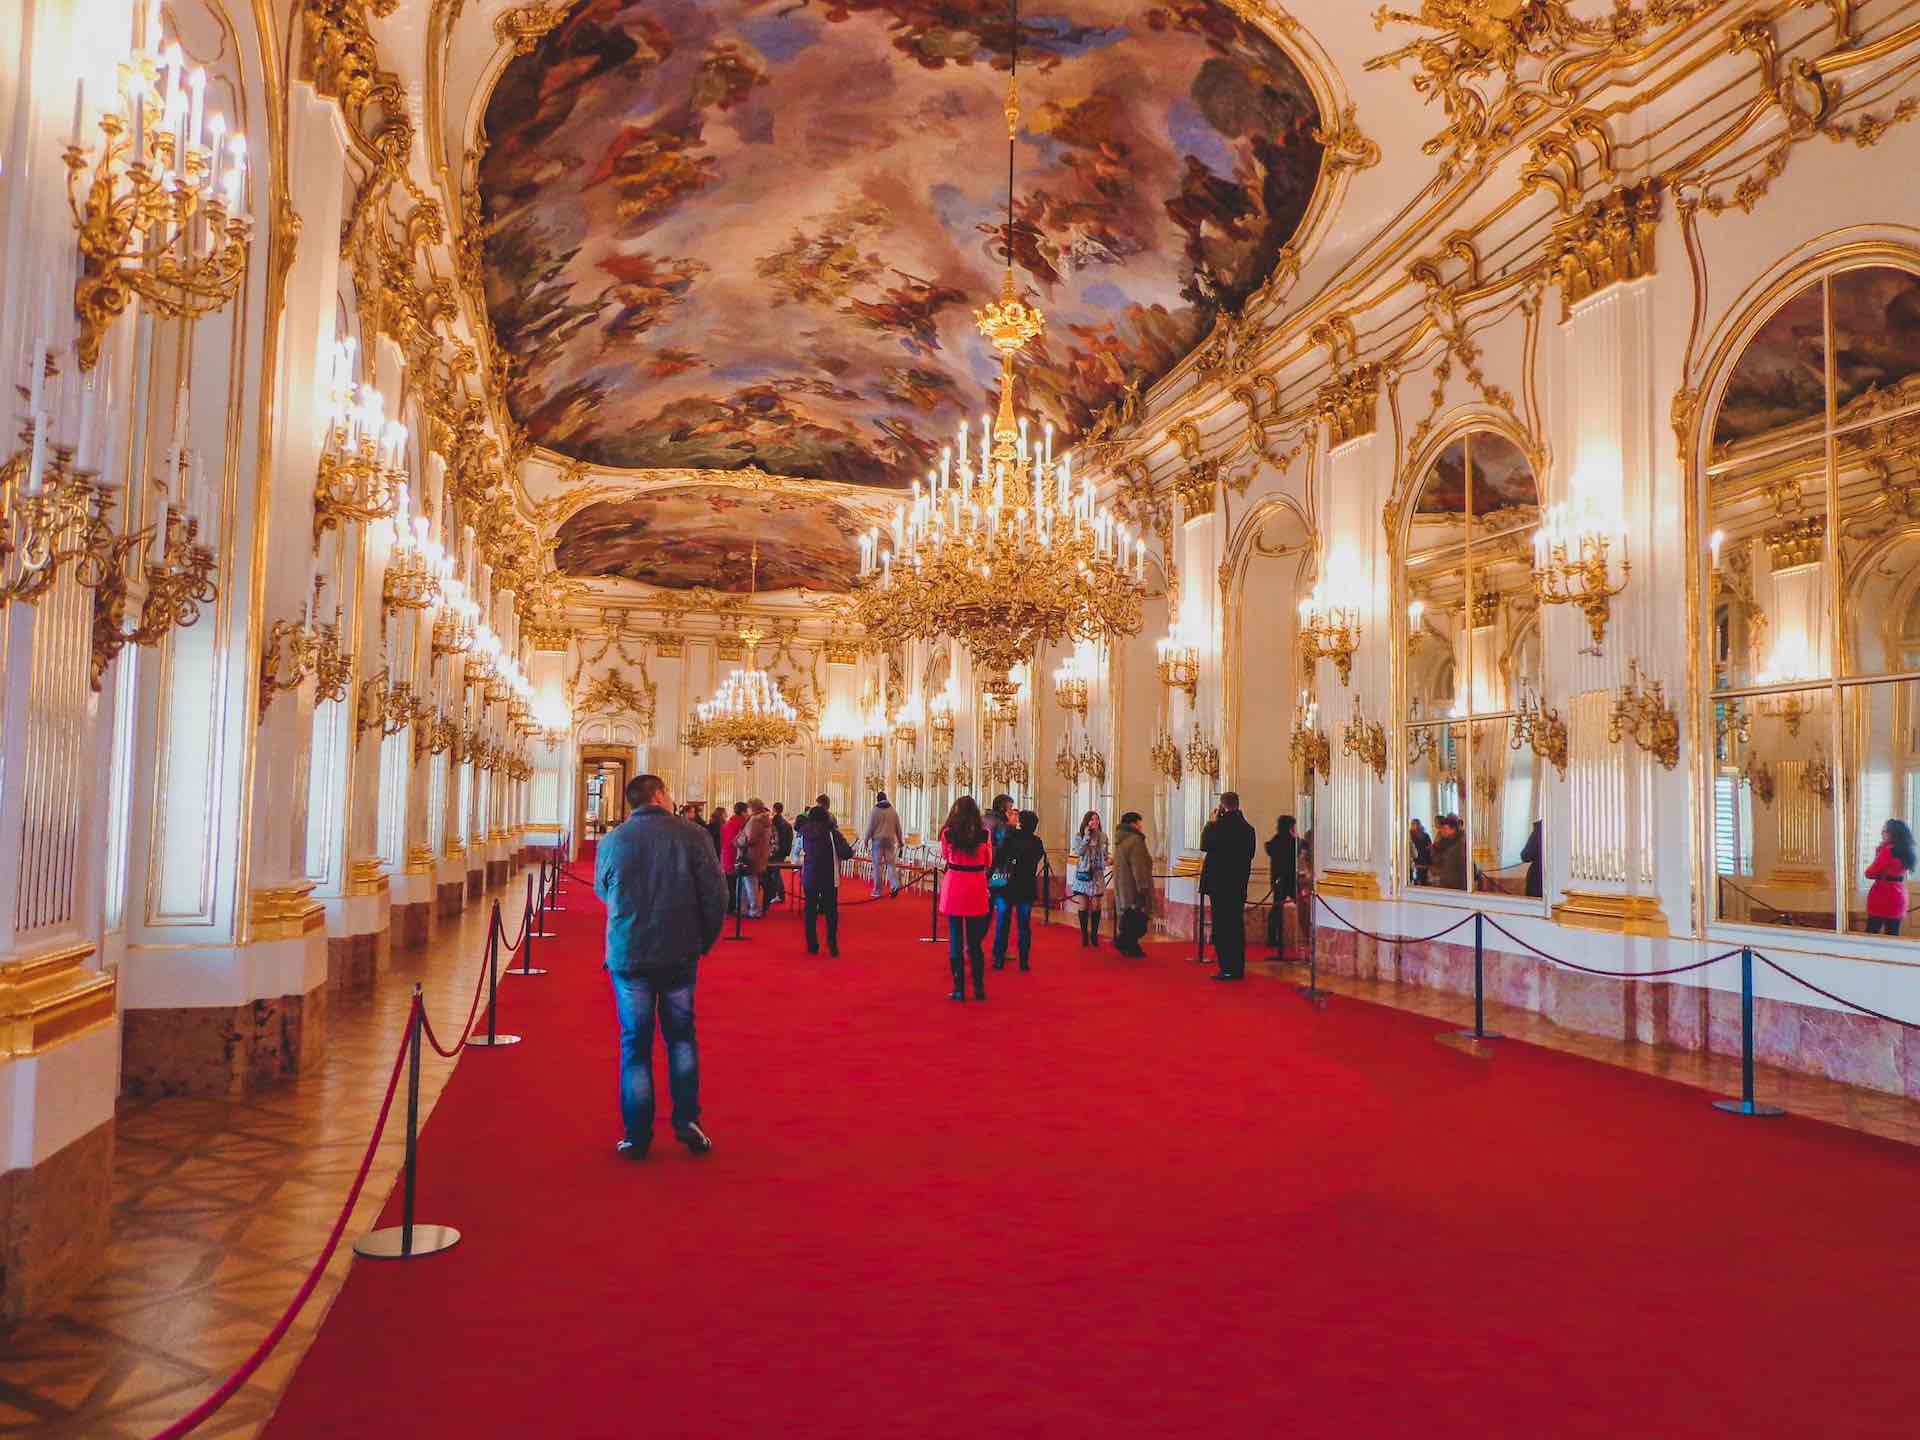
1781 377
702 534
734 233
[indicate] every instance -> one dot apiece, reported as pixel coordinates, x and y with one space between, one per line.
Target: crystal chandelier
747 713
999 547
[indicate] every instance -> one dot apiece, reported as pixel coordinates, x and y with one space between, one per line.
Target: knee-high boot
1093 928
1086 931
979 977
959 979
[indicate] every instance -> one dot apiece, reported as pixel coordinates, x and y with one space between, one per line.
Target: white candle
79 108
197 86
216 132
37 375
157 548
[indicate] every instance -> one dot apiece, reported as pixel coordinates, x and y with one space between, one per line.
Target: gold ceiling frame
1700 394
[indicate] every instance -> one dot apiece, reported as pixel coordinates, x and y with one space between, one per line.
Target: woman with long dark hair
1087 880
966 853
1892 863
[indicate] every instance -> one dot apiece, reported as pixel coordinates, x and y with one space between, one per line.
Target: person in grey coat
666 906
883 838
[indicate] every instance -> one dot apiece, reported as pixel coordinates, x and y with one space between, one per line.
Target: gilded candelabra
286 659
1165 757
1817 778
1647 717
362 473
1310 750
386 706
1543 729
940 727
1573 565
962 774
1732 726
179 582
1366 741
53 515
1009 772
874 742
695 735
1202 755
1329 632
158 212
1789 707
1759 778
332 666
1070 689
1421 743
1178 665
911 778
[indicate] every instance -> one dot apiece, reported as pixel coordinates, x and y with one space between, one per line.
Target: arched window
1812 504
1471 659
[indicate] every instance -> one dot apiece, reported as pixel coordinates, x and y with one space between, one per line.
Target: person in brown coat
756 848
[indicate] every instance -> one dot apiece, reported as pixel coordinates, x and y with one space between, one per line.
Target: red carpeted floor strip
1115 1200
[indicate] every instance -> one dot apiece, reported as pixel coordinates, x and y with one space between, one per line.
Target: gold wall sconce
1573 565
1647 717
1366 741
1541 727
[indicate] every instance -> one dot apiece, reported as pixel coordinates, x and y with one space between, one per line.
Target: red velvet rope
1837 999
197 1416
479 984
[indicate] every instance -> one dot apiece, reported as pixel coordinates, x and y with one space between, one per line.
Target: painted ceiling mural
1502 477
701 534
752 233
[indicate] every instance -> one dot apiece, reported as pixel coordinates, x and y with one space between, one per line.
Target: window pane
1778 390
1774 842
1879 537
1439 665
1771 601
1436 782
1881 733
1506 808
1876 342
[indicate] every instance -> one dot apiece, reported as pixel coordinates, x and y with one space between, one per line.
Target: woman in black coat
1283 860
822 849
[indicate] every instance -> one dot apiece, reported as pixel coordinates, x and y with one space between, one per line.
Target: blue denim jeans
635 999
1006 913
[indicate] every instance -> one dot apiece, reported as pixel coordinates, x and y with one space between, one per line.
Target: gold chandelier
747 714
999 548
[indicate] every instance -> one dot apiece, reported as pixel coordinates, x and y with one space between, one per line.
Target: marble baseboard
354 962
497 872
53 1225
1838 1045
476 884
450 899
223 1050
412 925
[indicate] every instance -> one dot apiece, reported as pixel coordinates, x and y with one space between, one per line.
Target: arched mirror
1813 538
1471 663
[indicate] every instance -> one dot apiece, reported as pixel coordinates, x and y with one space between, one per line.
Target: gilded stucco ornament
1349 403
523 28
1607 242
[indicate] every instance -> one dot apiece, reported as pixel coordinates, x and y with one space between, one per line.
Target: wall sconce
1310 749
940 725
1329 632
1817 778
361 475
1647 717
1165 757
906 723
1070 688
1203 756
1789 707
1178 664
386 707
1572 565
910 779
179 581
1366 741
962 774
286 659
1759 778
1543 729
158 215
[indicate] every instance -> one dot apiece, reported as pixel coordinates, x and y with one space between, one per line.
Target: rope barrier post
1046 890
1200 931
932 937
1479 1030
408 1240
527 936
538 920
553 895
493 1037
1311 991
1746 1104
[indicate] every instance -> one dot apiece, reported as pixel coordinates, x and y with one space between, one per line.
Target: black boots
1086 927
959 981
980 977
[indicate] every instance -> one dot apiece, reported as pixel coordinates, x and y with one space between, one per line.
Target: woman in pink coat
966 853
1892 863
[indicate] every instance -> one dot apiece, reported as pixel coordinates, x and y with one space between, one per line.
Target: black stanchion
1312 992
1746 1104
739 912
1046 890
543 903
1200 931
933 935
527 936
409 1240
492 1036
1479 1030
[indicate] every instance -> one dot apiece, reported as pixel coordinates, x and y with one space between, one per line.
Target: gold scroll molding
1349 404
366 877
1615 914
284 912
1605 243
1349 884
419 860
49 999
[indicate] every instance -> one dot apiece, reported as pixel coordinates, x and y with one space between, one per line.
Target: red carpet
1115 1200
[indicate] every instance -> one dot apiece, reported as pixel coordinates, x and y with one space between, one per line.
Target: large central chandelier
747 713
999 547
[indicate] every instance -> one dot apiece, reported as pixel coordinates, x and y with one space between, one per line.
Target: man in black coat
782 850
822 848
1229 844
1015 884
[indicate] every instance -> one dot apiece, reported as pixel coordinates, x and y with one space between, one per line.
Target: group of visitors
1440 859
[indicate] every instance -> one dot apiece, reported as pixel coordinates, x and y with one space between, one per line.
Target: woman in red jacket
1892 863
967 853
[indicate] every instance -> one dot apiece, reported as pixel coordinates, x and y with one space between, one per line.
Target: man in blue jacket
666 905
